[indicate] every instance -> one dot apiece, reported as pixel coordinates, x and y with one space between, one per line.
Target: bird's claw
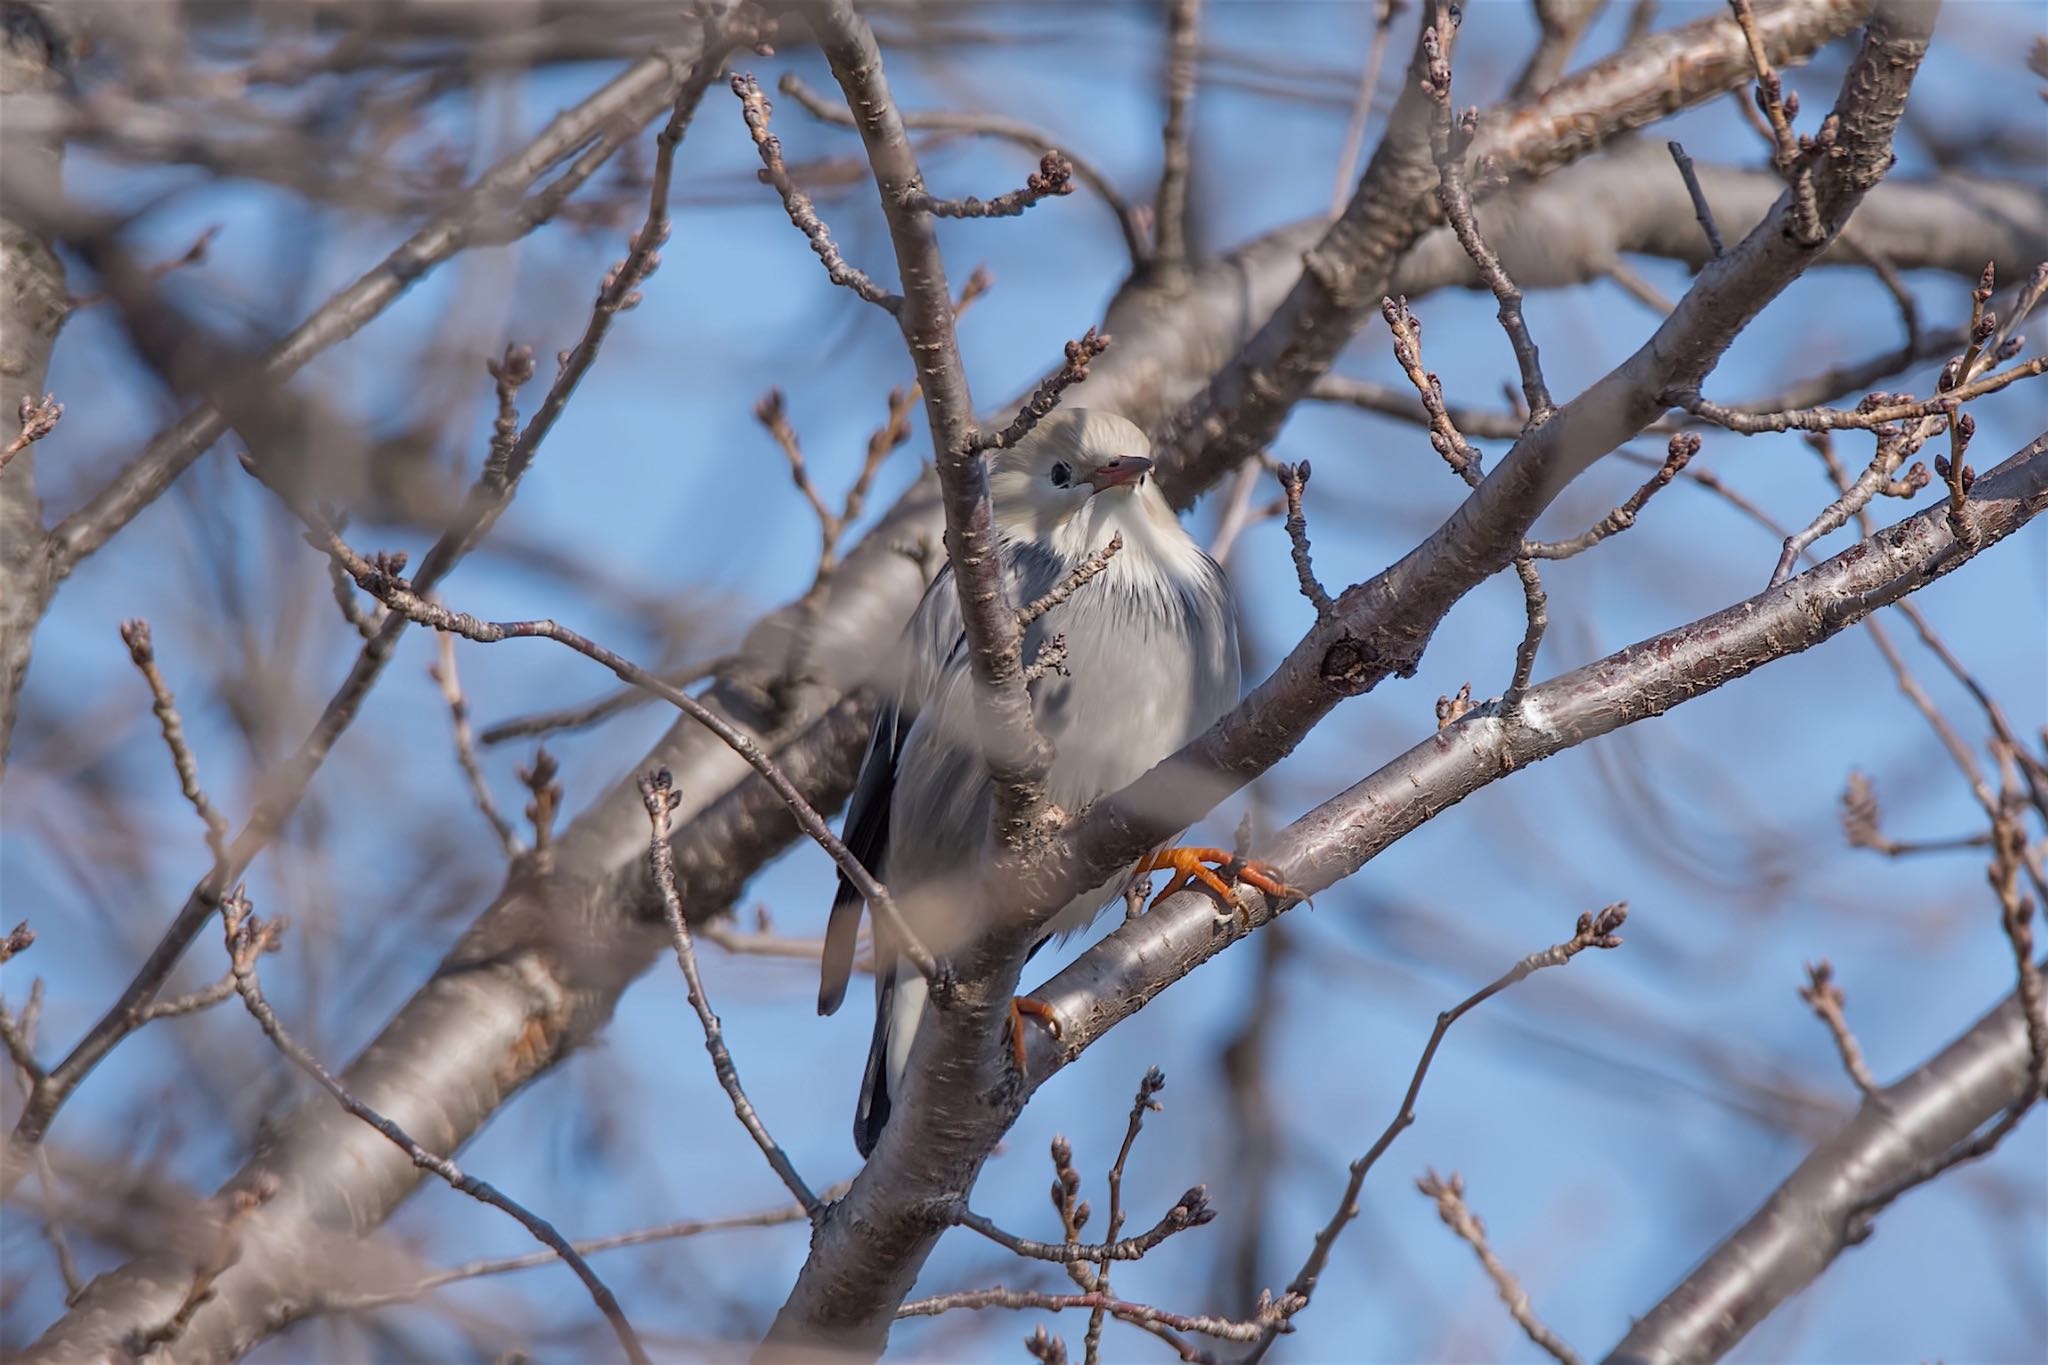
1020 1006
1189 866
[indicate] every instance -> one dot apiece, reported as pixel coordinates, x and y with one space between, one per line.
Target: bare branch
756 109
1450 1206
1866 417
39 417
989 125
1071 584
247 939
503 1265
442 671
1361 105
1053 178
1601 930
1700 208
135 634
1779 108
1563 23
1192 1211
1811 1218
1682 447
1016 753
1448 146
658 790
1293 479
586 713
1050 390
1137 1314
1147 1098
1825 998
1170 208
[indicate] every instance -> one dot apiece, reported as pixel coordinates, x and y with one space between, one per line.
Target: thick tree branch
1352 267
1810 1219
1116 977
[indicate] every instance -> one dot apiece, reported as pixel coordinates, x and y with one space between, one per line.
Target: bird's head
1080 477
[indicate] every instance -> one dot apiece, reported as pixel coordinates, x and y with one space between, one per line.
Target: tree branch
1807 1221
1015 752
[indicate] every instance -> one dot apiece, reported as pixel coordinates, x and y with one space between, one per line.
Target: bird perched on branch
1146 652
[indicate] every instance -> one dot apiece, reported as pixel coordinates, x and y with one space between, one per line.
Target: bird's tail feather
842 929
899 1005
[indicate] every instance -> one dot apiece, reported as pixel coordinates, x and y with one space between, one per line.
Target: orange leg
1188 866
1020 1006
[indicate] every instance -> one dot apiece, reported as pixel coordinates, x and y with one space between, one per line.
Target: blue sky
1606 1116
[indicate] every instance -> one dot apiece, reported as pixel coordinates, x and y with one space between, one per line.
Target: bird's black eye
1062 475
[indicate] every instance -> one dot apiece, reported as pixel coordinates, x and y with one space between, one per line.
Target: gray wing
933 633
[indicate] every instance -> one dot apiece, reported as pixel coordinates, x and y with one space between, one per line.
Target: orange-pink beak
1120 472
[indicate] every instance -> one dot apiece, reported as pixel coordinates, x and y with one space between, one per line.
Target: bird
1150 661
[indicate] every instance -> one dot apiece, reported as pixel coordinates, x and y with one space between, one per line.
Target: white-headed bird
1150 661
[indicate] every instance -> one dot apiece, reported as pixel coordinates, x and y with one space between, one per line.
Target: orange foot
1021 1005
1187 866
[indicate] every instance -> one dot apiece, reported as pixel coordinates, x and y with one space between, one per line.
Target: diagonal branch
1808 1220
1016 754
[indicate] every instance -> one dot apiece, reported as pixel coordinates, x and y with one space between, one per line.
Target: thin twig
1053 178
1192 1211
1393 401
1138 1314
772 414
1073 370
39 417
588 713
442 671
1071 584
1700 208
1449 144
1147 1098
1465 461
1866 417
247 939
1682 447
756 110
995 126
1862 827
135 634
1825 999
1536 616
1780 107
1450 1206
1293 479
657 790
1170 208
588 1246
1361 107
1594 930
